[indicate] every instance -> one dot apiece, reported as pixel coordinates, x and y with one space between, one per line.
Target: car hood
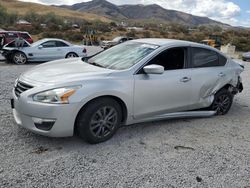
66 70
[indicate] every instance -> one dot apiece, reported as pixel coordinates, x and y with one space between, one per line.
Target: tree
3 15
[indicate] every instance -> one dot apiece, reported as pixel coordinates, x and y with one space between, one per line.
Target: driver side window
49 44
171 59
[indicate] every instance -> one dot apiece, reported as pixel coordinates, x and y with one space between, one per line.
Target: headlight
56 96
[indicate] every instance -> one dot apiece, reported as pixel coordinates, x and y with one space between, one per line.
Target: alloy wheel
103 121
221 104
19 58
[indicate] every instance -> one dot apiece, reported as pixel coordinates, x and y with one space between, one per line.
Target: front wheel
223 100
99 120
19 58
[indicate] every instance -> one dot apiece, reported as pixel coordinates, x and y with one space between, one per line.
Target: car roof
49 39
170 42
14 32
164 42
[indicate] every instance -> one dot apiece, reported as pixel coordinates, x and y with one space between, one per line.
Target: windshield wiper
96 64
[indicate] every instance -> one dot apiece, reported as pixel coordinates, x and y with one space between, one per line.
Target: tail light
30 40
84 50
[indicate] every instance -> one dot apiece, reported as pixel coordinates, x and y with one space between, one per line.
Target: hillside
157 12
100 7
22 8
139 12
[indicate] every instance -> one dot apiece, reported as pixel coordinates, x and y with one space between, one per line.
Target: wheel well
227 86
71 53
14 51
117 99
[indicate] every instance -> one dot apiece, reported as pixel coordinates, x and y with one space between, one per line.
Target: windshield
122 56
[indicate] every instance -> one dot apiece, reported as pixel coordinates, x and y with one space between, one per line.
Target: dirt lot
211 152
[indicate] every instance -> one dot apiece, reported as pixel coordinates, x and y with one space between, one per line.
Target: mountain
23 7
99 7
139 12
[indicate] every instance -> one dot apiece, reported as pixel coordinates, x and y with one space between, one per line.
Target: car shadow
123 137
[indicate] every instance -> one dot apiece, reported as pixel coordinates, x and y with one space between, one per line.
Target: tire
222 103
99 120
19 58
71 55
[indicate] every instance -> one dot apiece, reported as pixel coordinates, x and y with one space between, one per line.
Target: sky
233 12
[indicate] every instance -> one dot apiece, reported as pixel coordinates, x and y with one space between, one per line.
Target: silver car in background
246 56
41 51
137 81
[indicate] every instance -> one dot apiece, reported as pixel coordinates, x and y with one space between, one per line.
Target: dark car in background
9 36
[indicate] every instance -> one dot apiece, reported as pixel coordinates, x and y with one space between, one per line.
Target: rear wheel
19 58
223 100
99 121
71 55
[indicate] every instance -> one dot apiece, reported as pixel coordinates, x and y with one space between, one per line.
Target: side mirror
153 69
40 47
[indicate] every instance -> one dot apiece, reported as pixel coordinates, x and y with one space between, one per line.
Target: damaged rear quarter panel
207 81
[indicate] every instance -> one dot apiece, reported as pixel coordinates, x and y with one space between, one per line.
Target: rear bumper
239 87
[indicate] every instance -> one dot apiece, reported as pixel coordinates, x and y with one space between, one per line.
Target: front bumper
7 54
51 120
246 58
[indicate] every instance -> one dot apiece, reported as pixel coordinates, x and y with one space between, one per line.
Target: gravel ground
210 152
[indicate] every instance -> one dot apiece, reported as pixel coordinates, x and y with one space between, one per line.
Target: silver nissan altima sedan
137 81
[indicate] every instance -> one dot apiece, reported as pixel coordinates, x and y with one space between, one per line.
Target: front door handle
185 79
221 74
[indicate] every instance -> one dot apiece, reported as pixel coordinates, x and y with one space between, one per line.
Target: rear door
208 74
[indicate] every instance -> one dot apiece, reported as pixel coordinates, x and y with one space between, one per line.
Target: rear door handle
221 74
185 79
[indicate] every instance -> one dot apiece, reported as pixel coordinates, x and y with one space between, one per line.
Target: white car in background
41 51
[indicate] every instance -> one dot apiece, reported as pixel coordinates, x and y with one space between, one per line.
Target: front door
164 93
47 51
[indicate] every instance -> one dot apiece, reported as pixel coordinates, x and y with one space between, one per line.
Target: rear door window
61 44
222 59
204 58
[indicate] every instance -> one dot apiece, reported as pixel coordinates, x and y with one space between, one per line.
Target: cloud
248 11
221 10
